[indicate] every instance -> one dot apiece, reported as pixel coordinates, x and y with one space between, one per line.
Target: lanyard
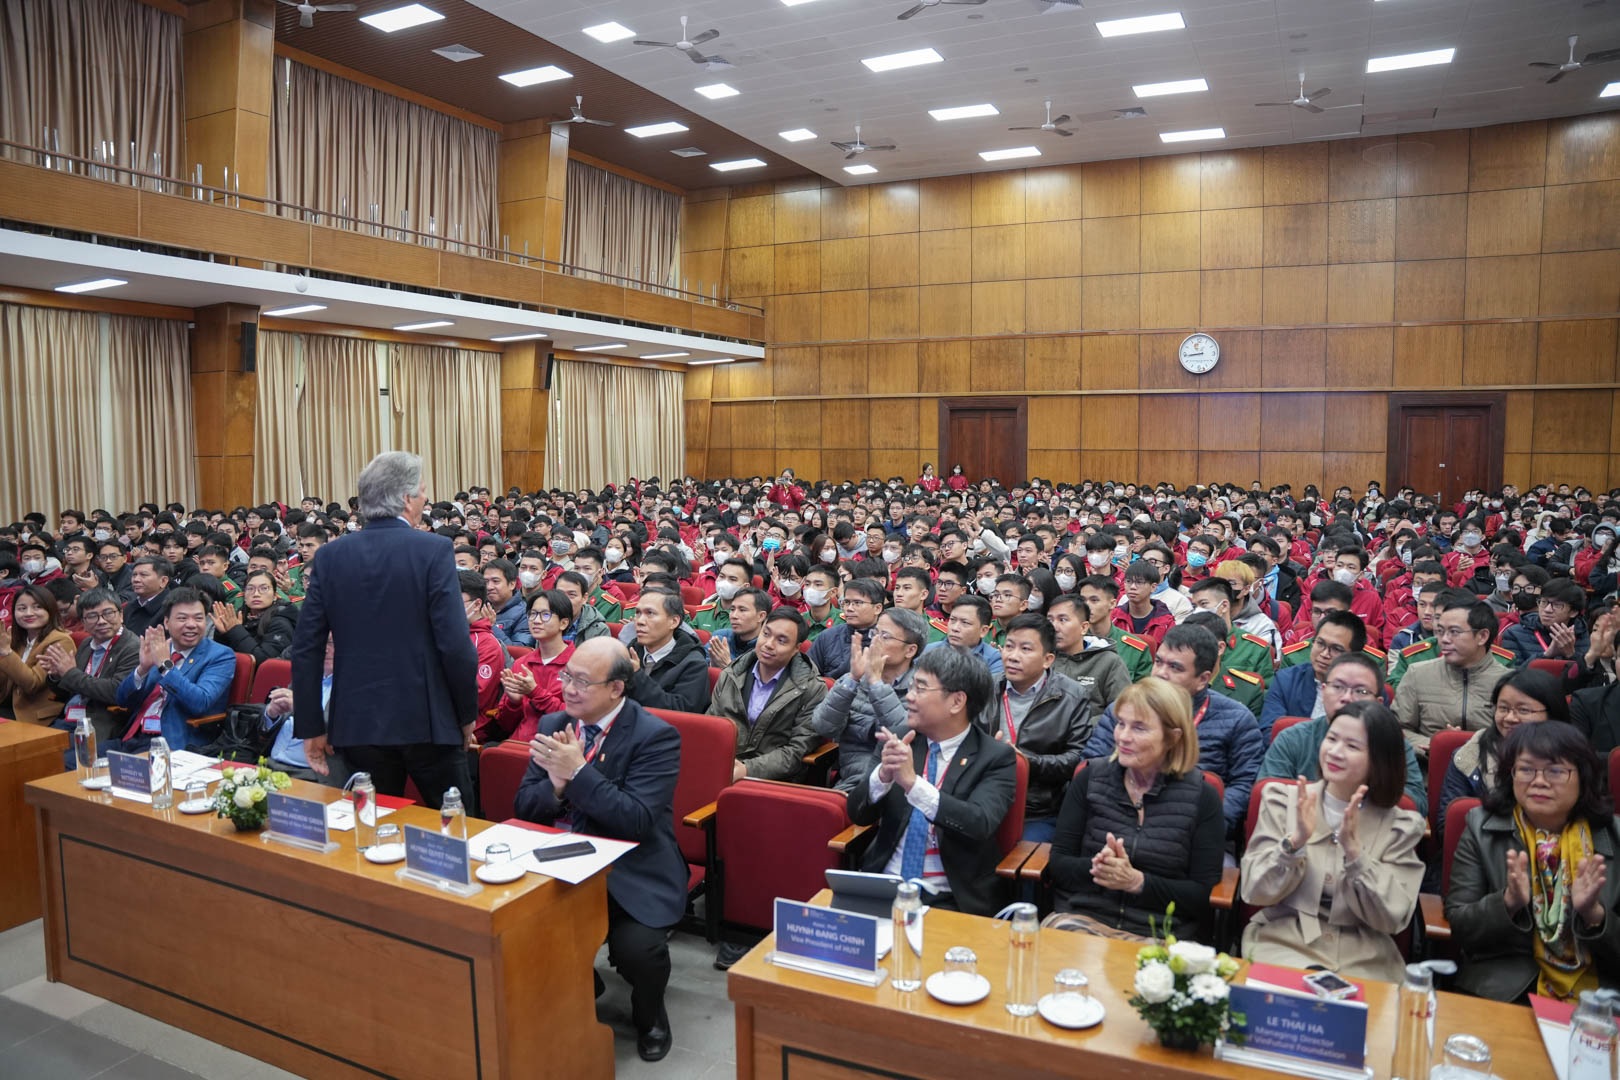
579 734
1198 717
1006 708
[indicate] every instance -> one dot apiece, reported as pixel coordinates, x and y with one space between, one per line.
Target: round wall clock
1199 353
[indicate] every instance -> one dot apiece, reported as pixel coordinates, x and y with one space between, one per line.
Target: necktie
591 732
916 842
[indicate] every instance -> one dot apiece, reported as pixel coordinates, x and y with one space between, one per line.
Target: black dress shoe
730 952
654 1043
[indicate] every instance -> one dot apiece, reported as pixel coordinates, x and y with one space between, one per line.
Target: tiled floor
49 1031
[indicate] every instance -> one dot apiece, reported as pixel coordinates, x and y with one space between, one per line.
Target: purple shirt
760 696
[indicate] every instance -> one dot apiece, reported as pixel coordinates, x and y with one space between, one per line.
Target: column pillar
524 402
224 400
534 187
230 80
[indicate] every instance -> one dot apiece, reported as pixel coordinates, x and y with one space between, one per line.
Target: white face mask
1471 539
816 597
1503 582
102 536
528 578
736 504
891 556
1096 559
613 556
788 588
1035 600
725 590
744 519
829 556
33 566
1065 581
1344 576
987 585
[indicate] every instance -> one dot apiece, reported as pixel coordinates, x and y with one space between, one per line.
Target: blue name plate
130 772
826 935
430 852
298 819
1307 1028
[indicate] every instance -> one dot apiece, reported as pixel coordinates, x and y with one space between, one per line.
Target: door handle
1442 464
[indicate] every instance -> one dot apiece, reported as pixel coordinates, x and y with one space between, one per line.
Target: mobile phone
1325 984
565 851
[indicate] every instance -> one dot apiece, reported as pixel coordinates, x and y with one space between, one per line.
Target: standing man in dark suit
939 794
607 767
405 675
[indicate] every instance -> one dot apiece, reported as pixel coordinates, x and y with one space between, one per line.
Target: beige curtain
153 432
447 408
614 225
94 71
319 416
609 423
341 148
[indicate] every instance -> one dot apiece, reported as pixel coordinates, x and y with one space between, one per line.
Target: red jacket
1585 560
929 484
491 662
956 482
521 719
1459 579
1160 620
787 496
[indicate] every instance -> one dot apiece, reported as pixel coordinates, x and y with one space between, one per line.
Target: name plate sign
827 941
131 775
298 823
1304 1035
431 858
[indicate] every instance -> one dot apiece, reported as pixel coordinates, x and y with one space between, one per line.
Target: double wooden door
1446 446
986 436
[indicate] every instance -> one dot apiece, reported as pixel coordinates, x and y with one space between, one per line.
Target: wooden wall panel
1052 363
1576 352
1052 305
1431 227
1232 238
892 260
1170 242
1053 249
945 255
1506 222
995 366
998 253
1583 148
1292 357
1355 423
1580 217
1428 356
844 212
1292 421
1168 421
894 313
1508 156
1108 423
942 367
1430 290
998 198
1111 188
891 369
1580 283
894 208
1054 423
1295 235
1053 193
1431 163
1111 245
845 263
1229 178
893 423
1109 363
798 425
1296 174
1171 184
1361 231
1170 300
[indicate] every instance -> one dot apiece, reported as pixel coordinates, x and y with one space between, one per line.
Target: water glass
961 962
196 793
1465 1057
100 776
497 853
1071 988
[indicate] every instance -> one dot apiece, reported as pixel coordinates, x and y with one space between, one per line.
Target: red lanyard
1006 708
579 734
1198 717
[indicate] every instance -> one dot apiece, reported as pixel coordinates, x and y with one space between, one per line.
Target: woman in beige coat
25 693
1333 865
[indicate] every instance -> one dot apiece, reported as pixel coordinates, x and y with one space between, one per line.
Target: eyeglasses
106 616
542 616
1001 595
1329 649
1347 690
568 678
1521 712
1554 774
1548 604
1446 633
884 635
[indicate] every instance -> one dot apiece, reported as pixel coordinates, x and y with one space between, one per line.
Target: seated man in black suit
607 767
672 669
940 793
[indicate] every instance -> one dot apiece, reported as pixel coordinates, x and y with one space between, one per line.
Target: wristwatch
165 667
1288 846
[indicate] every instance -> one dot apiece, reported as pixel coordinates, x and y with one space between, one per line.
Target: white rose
243 797
1155 983
1194 958
1210 989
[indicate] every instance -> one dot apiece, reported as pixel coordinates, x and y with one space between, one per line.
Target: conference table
322 964
793 1024
27 752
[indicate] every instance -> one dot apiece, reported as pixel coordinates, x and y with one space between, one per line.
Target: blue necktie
592 732
915 845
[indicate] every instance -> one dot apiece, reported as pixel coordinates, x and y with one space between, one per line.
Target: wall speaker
250 347
551 361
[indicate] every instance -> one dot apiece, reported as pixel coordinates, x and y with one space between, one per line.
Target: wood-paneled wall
1332 274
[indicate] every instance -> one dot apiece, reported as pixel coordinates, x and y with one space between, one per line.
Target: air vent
1399 116
689 151
458 53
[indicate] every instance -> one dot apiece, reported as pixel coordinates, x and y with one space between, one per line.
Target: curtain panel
609 422
95 411
319 415
614 225
447 408
95 71
340 147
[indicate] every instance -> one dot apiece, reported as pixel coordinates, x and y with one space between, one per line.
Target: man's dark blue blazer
1291 693
626 792
404 668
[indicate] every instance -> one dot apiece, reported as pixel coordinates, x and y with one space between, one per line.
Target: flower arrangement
1181 989
243 791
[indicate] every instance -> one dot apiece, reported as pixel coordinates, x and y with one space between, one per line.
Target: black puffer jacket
1052 738
267 637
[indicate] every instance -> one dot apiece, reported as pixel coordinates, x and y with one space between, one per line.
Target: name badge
1273 1029
74 713
298 822
827 941
431 858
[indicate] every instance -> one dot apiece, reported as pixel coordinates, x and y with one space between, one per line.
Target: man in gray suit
89 680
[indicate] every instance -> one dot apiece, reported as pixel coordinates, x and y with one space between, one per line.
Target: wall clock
1199 353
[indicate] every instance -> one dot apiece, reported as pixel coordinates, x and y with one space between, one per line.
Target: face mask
353 526
1316 521
1121 551
829 556
725 590
1406 556
613 556
1197 559
891 556
736 504
1601 539
1065 581
528 578
1097 559
1035 600
1526 601
987 585
102 536
1503 581
744 519
1576 543
1104 507
816 597
1471 539
1091 500
788 588
33 566
1345 576
686 552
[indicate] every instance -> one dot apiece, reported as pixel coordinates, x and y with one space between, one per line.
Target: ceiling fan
577 109
1059 7
1053 124
857 147
306 12
1305 101
689 46
1572 64
923 5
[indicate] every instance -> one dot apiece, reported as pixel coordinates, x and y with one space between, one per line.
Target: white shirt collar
607 721
948 748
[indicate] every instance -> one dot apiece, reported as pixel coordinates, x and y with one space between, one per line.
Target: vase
1173 1039
247 826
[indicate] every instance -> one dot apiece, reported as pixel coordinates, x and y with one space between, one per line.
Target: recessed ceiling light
533 76
1145 24
733 166
860 170
609 32
797 134
301 309
668 127
1160 89
894 61
663 355
401 18
794 3
599 348
1192 136
963 112
716 91
1007 155
689 151
92 286
1612 90
458 54
1410 60
425 325
518 337
716 360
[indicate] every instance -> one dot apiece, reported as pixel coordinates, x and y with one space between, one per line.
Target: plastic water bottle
1592 1037
365 811
162 776
452 818
908 938
1023 978
1414 1020
84 747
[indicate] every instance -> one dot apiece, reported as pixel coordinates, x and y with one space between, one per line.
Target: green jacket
1135 651
710 617
834 618
774 745
1099 669
1244 687
1245 652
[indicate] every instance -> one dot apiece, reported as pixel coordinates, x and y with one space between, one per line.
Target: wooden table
793 1024
354 972
27 752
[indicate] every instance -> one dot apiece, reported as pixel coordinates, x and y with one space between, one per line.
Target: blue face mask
1197 559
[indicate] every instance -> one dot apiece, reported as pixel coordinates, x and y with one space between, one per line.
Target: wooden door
1447 446
986 436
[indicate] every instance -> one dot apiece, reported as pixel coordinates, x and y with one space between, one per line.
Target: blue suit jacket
404 670
1291 693
199 686
626 792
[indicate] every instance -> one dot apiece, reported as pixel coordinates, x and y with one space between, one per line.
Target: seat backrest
1558 669
1443 746
518 651
708 749
500 770
1283 723
271 675
1252 818
1456 818
1614 773
772 839
79 637
691 595
242 681
615 627
1215 782
703 635
1012 826
714 677
629 591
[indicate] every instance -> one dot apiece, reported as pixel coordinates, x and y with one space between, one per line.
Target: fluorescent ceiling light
860 170
794 3
599 348
1007 155
963 112
797 134
1612 90
1192 136
733 166
401 18
894 61
1159 89
716 360
1410 60
301 309
609 32
668 127
1145 24
425 325
716 91
533 76
92 286
663 355
518 337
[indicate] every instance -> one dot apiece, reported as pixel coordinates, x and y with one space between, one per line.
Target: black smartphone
563 851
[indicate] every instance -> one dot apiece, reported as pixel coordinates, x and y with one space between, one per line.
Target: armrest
701 817
1013 861
848 838
199 721
1224 894
821 753
1433 909
1034 868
